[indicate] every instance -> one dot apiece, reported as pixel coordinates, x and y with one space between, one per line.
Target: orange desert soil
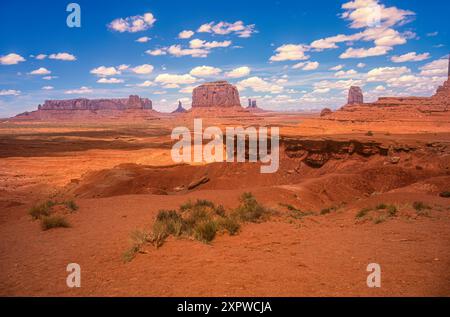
121 174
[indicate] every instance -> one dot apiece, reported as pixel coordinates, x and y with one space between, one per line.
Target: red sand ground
106 169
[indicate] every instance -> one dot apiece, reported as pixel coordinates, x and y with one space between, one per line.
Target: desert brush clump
47 216
71 205
379 214
201 220
54 221
363 212
445 194
249 209
138 238
421 208
41 210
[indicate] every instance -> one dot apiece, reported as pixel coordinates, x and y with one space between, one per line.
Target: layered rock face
132 108
219 94
355 96
132 102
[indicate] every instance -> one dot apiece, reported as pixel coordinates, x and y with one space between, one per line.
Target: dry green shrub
54 221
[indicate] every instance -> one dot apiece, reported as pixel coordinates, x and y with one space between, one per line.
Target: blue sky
286 54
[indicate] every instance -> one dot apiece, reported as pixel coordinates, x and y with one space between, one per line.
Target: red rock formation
325 112
130 109
133 102
216 94
399 108
180 108
355 96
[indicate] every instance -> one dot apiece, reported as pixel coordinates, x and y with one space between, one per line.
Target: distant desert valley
92 181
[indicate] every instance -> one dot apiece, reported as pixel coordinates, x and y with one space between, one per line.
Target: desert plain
331 203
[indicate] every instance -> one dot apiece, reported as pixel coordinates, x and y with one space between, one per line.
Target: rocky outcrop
219 94
252 104
443 92
355 96
325 112
316 153
180 108
132 102
436 107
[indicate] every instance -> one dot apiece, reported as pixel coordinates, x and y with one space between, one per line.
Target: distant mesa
132 102
132 107
396 108
355 96
218 94
180 108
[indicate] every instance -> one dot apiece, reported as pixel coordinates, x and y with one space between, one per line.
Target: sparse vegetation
41 210
325 211
369 133
382 213
229 224
54 221
381 206
205 231
139 239
201 220
71 205
328 210
379 220
363 212
445 194
47 216
295 212
392 210
250 210
420 206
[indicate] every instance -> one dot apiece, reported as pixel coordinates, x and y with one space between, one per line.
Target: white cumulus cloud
11 59
109 81
63 57
290 52
239 72
186 34
9 92
225 28
175 79
80 91
133 24
104 71
410 57
205 71
143 69
40 71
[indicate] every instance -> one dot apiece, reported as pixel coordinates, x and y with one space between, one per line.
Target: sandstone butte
217 99
219 94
